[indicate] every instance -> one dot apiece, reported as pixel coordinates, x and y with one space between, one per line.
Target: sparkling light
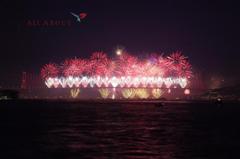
157 93
74 92
156 82
169 91
128 93
142 93
119 52
49 70
104 92
187 91
113 96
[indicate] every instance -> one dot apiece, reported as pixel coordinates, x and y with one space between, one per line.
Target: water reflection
116 131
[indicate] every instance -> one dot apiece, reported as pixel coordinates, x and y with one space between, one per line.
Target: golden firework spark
104 92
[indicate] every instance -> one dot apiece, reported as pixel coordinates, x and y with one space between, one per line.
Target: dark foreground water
49 130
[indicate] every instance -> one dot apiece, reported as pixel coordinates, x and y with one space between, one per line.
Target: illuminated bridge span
122 82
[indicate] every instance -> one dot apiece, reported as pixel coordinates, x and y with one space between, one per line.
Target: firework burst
123 71
74 67
157 93
142 93
104 92
49 70
128 93
74 92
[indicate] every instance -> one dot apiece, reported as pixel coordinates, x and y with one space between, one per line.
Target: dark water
39 130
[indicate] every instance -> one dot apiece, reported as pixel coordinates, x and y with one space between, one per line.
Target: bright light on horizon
187 91
119 52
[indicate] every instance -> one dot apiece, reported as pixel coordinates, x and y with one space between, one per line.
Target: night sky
207 32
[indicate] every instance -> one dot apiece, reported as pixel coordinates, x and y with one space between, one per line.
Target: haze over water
73 130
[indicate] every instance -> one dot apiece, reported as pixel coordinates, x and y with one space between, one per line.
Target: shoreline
120 101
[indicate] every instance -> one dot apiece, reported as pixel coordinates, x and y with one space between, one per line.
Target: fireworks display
104 92
128 93
122 71
142 93
136 78
74 92
157 93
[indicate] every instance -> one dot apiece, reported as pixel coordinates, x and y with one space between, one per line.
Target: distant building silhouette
24 80
31 81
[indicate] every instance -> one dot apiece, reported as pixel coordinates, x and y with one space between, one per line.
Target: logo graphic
58 22
79 17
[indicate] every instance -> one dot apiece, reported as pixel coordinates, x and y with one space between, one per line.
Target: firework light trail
74 92
157 93
128 93
104 92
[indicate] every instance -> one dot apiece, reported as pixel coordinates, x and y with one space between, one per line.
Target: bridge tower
24 80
